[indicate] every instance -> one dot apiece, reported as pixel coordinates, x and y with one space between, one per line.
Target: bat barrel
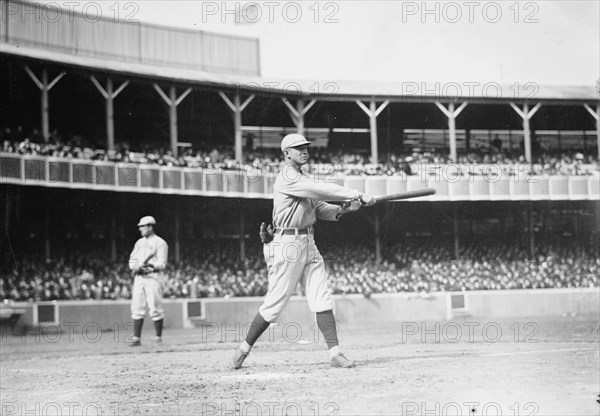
405 195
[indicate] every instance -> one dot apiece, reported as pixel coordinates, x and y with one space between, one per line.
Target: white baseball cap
293 140
148 220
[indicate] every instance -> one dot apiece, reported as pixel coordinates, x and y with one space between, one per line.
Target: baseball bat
145 262
405 195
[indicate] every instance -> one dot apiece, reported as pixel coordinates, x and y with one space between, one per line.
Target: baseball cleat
158 340
238 358
135 342
340 361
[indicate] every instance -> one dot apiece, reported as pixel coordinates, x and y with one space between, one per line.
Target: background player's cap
293 140
146 221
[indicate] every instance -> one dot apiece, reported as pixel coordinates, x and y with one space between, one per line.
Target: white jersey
151 250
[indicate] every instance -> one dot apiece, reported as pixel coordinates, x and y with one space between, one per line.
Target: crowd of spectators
96 278
417 269
425 268
322 161
76 147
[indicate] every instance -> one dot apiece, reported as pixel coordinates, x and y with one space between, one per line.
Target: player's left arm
332 212
160 259
326 211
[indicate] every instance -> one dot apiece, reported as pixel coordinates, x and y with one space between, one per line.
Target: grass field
515 367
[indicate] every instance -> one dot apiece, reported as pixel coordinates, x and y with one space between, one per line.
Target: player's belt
145 274
294 231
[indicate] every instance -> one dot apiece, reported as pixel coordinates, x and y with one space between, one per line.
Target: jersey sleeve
325 211
291 182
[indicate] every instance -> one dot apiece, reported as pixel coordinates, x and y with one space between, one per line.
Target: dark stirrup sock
257 327
158 326
137 327
327 325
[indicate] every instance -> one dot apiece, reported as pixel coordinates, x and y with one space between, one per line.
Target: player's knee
269 315
156 314
320 306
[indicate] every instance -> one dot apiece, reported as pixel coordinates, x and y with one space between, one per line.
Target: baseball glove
266 233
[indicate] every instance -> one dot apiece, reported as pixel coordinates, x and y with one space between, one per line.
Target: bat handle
359 199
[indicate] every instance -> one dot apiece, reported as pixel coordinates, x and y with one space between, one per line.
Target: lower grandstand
354 271
69 244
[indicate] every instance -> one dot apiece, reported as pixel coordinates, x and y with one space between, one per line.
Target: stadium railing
487 182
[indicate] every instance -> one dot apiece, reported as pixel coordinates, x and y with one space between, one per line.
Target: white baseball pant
147 292
293 259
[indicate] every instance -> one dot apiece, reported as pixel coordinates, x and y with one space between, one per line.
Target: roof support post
596 115
297 114
109 96
373 111
172 101
236 108
377 236
451 113
177 227
526 115
45 88
242 239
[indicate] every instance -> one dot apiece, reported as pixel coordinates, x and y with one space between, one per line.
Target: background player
147 260
292 255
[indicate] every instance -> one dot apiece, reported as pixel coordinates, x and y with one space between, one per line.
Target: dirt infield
516 367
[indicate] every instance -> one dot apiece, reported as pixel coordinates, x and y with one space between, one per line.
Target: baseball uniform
292 256
148 261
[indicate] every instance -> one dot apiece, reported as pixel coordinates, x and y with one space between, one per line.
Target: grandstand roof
326 90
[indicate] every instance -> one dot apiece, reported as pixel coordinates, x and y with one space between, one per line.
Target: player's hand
351 206
266 233
367 199
146 268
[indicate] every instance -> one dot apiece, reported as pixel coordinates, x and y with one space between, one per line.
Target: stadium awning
332 90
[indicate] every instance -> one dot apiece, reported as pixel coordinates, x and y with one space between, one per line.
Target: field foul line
536 352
